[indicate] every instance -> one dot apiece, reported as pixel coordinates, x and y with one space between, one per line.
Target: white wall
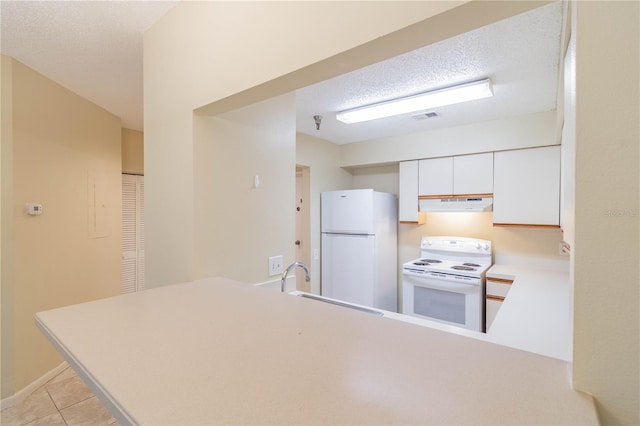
607 204
510 133
323 159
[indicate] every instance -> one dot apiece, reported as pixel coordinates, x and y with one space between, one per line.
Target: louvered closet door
132 233
140 232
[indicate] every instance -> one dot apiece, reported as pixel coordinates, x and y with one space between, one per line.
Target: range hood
456 204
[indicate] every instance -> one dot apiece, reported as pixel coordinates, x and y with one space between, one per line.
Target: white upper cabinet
527 187
461 175
408 193
435 176
473 174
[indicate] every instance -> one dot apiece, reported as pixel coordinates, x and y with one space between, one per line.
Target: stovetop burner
426 262
463 267
455 256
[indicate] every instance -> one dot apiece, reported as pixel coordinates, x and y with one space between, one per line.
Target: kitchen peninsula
216 351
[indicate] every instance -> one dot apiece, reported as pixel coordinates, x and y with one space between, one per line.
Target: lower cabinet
497 289
492 307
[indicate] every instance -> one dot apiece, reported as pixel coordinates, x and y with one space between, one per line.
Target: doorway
302 232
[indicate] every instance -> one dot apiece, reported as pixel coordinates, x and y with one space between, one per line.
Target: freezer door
349 212
348 271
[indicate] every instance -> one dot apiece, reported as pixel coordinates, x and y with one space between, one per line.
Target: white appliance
447 283
359 247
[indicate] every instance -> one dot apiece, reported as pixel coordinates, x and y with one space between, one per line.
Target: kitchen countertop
216 351
536 314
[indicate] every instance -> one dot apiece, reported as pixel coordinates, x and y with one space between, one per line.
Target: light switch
275 265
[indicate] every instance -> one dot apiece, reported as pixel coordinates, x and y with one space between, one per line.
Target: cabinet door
527 187
408 192
435 176
492 307
473 174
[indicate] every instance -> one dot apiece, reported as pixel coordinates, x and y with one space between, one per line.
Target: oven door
444 300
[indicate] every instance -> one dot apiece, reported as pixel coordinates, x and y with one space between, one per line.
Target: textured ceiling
520 55
94 48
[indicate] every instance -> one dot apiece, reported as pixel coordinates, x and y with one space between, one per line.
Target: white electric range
447 282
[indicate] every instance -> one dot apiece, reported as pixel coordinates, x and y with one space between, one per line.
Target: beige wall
240 225
202 53
132 151
323 159
7 322
607 206
193 57
381 178
66 152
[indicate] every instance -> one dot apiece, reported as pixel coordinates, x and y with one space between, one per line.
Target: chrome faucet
290 267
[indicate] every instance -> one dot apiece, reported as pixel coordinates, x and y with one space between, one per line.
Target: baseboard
20 396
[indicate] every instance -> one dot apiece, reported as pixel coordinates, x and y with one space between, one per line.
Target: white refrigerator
359 247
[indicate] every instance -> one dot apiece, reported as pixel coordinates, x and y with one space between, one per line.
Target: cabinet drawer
498 287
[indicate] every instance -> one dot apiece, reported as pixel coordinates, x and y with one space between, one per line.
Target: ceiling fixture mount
318 120
420 102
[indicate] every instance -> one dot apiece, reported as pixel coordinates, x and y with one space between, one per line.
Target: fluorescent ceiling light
421 102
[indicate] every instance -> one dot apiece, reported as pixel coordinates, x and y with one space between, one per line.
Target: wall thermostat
34 209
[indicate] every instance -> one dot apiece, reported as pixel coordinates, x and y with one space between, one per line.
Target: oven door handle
442 284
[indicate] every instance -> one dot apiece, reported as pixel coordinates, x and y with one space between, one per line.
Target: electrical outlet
275 265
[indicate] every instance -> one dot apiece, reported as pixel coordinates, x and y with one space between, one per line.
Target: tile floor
63 401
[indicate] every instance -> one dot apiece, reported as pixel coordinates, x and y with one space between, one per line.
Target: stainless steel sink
346 305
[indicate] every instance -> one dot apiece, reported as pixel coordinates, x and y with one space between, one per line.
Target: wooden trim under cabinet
422 219
526 225
496 298
437 197
500 280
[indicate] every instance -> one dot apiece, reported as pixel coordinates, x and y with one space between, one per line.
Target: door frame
303 223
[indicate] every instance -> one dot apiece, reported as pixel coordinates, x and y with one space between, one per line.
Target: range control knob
486 246
478 246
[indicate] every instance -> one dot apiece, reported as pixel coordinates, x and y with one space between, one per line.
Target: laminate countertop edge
216 351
